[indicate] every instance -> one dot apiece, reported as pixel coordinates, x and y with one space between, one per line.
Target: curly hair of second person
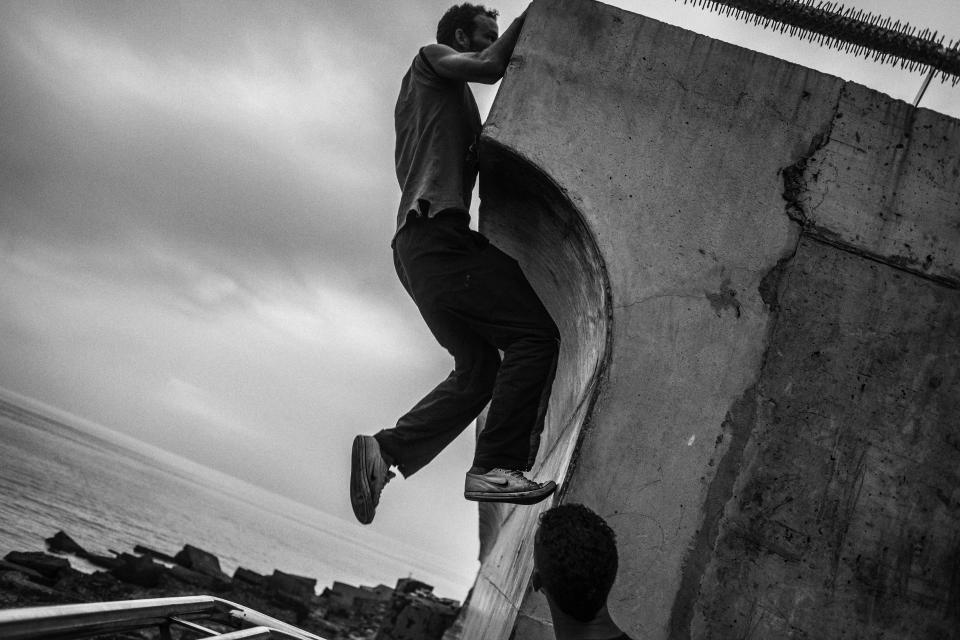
461 17
576 559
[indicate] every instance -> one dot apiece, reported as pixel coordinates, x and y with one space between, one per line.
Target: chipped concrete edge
795 179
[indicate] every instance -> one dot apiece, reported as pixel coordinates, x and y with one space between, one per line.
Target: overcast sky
196 205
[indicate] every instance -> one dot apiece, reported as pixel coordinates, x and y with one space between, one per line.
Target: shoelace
517 474
387 478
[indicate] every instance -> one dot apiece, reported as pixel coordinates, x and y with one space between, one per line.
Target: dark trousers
476 302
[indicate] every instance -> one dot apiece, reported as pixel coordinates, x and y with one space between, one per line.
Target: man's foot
505 485
369 473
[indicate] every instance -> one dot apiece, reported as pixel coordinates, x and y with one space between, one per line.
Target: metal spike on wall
853 30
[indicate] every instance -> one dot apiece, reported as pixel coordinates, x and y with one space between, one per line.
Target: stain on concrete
736 432
770 283
737 429
725 298
843 519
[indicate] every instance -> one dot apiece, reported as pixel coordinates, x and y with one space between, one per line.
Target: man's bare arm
485 66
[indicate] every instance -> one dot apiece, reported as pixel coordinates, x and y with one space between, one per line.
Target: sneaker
505 485
369 474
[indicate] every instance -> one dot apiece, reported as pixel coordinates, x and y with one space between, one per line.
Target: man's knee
487 369
548 342
480 373
552 334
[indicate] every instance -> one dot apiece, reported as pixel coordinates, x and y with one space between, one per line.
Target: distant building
341 596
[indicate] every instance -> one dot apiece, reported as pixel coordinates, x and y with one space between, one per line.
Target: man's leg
498 304
474 297
426 253
443 414
485 289
425 430
476 300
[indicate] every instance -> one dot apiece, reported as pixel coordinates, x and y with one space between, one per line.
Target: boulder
196 578
45 564
200 561
417 615
297 587
19 568
138 570
21 585
249 577
104 562
293 592
60 541
325 627
153 553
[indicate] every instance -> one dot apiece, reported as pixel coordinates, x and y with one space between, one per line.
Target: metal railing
99 618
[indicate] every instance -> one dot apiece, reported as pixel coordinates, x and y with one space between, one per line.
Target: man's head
468 27
575 560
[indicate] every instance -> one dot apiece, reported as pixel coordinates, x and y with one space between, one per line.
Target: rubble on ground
409 611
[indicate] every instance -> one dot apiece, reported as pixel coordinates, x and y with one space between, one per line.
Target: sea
110 494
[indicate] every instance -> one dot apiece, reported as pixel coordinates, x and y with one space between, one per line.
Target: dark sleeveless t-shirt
438 128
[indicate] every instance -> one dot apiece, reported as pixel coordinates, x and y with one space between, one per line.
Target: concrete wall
769 418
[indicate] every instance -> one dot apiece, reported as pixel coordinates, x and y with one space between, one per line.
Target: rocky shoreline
408 611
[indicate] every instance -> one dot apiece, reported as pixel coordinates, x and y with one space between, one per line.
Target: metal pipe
60 621
85 620
255 633
923 88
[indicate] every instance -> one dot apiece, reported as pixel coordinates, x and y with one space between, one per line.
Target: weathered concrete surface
743 213
844 520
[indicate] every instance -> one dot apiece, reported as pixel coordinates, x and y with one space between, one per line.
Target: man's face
484 33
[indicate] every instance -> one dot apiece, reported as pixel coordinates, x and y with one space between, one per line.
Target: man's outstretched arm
485 66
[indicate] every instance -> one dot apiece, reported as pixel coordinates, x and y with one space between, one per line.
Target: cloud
250 160
183 397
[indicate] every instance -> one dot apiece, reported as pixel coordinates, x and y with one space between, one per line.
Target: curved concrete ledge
525 213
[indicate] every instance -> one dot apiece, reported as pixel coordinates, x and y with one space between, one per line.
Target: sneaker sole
360 498
513 497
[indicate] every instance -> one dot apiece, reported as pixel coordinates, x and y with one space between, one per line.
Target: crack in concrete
795 192
656 296
827 237
795 175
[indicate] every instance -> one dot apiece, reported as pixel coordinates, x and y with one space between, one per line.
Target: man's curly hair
461 17
576 556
